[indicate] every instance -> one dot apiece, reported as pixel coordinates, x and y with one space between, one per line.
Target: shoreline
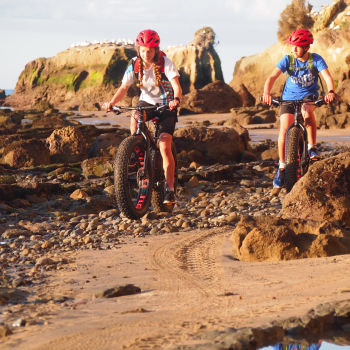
257 132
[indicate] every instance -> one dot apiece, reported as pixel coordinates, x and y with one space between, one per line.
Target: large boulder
26 153
67 145
323 193
266 238
216 97
209 145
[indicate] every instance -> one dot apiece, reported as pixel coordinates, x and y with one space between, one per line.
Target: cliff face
83 77
76 77
331 40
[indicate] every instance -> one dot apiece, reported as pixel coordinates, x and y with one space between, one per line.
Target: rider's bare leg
285 121
165 140
133 122
310 122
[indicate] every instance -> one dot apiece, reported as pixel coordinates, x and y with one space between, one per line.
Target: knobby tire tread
121 182
293 159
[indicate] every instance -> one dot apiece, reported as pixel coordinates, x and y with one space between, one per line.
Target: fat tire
159 182
133 208
294 150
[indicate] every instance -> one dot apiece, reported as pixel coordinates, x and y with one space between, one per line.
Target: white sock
282 165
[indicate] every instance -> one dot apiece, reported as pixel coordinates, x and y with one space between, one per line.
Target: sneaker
169 197
278 181
313 154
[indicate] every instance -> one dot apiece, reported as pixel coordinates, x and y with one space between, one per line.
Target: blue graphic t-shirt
302 82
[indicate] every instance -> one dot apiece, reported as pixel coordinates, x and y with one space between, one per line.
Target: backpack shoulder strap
314 71
310 64
291 67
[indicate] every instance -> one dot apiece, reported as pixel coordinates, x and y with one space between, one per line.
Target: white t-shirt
151 93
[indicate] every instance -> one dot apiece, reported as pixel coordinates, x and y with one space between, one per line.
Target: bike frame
142 129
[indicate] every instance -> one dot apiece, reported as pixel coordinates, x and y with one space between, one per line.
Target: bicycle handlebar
278 101
118 109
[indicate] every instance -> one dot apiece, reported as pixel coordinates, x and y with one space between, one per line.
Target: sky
41 28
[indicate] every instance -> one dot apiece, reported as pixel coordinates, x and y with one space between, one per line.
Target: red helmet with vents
301 37
148 38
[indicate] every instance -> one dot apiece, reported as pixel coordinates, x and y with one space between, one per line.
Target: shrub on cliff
296 15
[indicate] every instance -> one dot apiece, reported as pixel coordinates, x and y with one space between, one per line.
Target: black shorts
167 120
289 107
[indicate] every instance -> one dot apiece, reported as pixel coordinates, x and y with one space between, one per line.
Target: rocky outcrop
82 77
198 62
323 193
266 238
78 77
331 37
216 97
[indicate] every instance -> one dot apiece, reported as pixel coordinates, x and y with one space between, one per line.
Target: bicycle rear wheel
296 165
159 181
133 179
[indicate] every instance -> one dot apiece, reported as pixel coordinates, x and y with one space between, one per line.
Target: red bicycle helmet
148 38
301 37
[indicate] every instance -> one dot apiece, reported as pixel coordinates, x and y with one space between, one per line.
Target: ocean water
9 92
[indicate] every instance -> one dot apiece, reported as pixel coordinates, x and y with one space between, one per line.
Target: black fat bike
139 179
296 144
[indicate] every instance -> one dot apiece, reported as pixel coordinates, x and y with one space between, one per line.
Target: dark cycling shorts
289 108
167 121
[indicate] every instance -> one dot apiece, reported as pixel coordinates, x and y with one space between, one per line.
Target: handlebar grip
320 102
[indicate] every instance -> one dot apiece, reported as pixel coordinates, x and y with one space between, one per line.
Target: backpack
310 65
165 84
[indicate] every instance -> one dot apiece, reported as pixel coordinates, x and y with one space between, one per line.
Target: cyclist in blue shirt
302 69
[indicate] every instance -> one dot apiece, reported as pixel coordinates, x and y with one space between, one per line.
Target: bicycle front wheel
294 157
133 179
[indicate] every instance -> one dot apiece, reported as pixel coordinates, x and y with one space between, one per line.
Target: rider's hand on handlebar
266 98
173 104
107 106
330 97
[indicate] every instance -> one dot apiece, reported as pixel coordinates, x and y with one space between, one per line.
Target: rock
44 261
97 167
215 145
107 144
67 145
198 63
266 238
322 193
216 97
246 97
26 153
4 331
56 121
12 295
119 291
